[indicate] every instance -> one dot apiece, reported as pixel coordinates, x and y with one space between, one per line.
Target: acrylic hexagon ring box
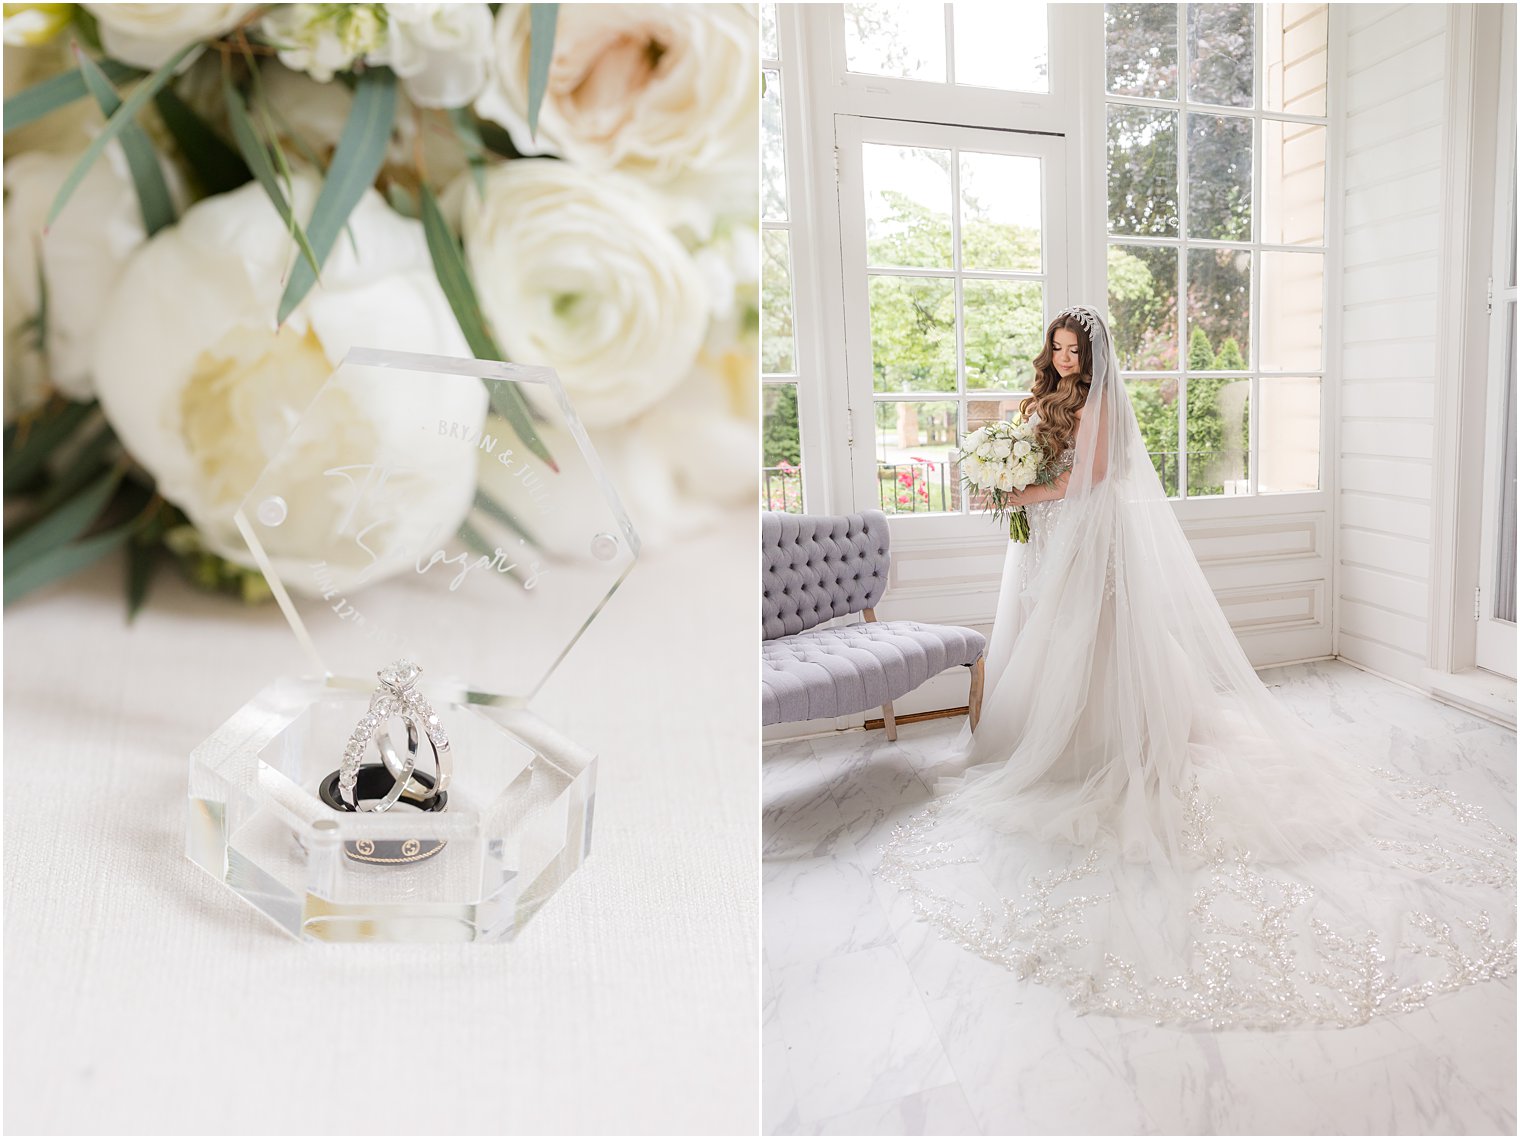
451 514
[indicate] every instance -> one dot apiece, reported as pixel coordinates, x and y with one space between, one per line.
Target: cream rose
202 388
146 35
574 271
79 262
664 92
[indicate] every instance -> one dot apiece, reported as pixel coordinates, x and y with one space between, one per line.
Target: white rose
322 39
202 388
665 92
1002 449
984 450
573 271
441 51
731 264
79 261
146 35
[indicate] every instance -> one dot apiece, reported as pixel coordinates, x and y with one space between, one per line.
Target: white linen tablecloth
144 997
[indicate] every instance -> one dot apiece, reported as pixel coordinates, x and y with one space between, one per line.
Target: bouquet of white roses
1000 459
207 205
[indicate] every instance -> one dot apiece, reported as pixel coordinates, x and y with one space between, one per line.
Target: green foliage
1230 358
781 441
913 319
1142 305
777 346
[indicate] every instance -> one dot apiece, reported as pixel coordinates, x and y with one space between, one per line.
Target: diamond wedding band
397 696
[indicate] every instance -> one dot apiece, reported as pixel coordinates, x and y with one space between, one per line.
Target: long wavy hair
1057 399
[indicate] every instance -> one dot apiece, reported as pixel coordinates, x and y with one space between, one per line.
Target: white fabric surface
144 997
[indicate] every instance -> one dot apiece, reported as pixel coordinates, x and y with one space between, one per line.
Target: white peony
146 35
574 271
664 92
1002 448
78 261
202 388
441 51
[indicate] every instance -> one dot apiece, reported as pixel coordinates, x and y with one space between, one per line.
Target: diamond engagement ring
396 696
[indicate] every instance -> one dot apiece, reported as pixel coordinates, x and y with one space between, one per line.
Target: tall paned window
1216 249
781 476
955 245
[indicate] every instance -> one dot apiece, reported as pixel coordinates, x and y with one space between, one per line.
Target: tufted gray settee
817 567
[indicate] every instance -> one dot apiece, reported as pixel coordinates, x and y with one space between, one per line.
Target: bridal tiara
1086 317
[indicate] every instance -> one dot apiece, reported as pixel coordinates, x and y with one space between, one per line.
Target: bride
1140 823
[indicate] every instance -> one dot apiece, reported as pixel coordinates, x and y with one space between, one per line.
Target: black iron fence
783 488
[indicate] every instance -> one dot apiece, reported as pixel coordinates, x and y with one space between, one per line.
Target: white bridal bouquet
207 205
1000 459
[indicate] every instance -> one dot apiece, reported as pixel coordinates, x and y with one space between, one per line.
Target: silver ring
397 696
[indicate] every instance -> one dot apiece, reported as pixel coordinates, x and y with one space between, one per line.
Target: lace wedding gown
1143 826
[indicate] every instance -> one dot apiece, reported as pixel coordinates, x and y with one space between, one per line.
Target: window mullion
1183 331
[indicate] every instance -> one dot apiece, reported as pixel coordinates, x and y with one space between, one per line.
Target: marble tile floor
873 1025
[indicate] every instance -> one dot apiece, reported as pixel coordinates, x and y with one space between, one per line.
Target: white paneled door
1495 608
954 250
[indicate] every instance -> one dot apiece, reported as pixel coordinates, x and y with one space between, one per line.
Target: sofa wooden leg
978 673
891 720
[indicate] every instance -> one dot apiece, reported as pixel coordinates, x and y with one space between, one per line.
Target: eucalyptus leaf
84 466
542 21
64 524
46 97
259 165
35 445
143 559
454 279
125 115
63 561
142 160
361 150
495 510
497 139
217 166
472 538
468 131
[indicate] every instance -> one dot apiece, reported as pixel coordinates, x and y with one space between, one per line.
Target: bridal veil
1141 823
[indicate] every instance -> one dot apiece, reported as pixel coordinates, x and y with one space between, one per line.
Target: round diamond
401 675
